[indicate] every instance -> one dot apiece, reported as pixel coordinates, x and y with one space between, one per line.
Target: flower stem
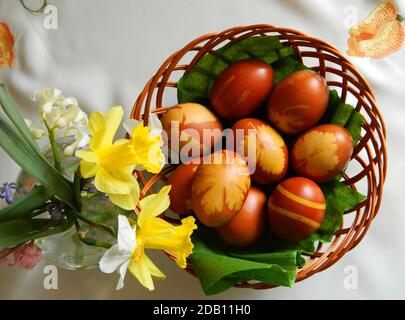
93 223
54 147
90 241
400 18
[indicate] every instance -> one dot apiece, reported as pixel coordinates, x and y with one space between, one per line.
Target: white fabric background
104 52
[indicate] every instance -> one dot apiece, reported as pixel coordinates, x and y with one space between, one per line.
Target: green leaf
19 150
333 106
286 66
285 51
10 109
25 204
77 189
218 270
343 114
339 199
354 126
19 231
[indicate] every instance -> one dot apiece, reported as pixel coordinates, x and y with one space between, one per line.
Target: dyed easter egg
264 147
219 188
192 130
180 192
296 209
242 88
248 224
322 152
298 102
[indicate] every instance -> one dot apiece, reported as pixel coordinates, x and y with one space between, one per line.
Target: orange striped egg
296 209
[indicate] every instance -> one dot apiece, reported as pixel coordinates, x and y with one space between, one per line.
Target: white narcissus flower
156 129
119 255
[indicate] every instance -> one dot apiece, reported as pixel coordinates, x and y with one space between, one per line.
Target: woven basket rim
372 143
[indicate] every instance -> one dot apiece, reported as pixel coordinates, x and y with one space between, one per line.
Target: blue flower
56 210
7 192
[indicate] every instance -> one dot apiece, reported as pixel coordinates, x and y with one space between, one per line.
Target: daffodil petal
120 141
155 204
128 170
88 169
114 183
112 259
144 269
103 127
126 235
123 272
127 201
87 155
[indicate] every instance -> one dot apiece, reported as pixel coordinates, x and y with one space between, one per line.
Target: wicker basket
368 166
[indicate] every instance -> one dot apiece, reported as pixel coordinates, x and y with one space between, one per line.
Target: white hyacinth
61 115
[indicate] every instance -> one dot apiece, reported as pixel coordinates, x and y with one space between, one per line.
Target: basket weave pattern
366 171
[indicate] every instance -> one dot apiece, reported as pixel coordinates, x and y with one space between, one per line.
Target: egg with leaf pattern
264 148
298 102
322 152
219 188
191 130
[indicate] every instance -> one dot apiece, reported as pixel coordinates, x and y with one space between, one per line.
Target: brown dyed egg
248 224
192 130
264 148
296 209
242 88
322 152
298 102
219 188
180 192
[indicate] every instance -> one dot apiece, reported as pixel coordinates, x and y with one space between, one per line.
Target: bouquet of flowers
84 163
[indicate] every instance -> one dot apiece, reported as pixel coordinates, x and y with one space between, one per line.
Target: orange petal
385 12
353 49
6 46
388 40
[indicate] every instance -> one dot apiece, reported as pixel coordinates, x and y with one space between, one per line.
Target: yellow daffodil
150 232
112 163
